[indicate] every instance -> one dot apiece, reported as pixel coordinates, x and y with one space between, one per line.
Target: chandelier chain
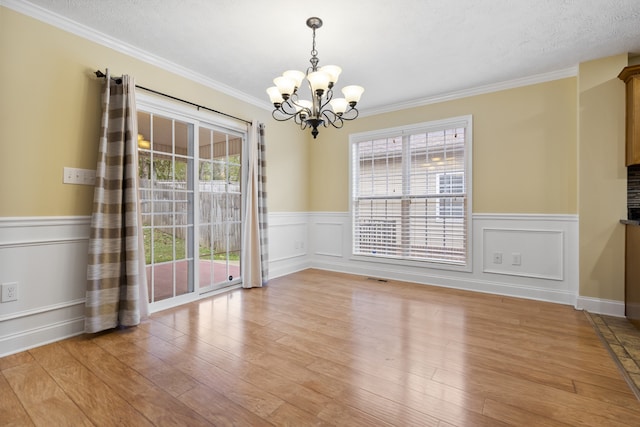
314 53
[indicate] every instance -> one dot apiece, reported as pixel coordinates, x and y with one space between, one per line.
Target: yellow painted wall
524 145
602 177
50 115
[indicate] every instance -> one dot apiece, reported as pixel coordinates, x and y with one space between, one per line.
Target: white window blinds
410 194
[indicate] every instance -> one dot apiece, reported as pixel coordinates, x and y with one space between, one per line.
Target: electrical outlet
9 291
497 257
516 258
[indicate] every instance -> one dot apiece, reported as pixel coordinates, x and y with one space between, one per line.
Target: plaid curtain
116 282
255 258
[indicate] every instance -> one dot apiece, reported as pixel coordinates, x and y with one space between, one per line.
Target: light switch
79 176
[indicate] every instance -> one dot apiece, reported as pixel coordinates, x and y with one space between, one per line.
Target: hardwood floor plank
426 388
159 330
15 360
96 399
543 370
415 409
621 397
555 404
219 410
493 359
284 380
260 402
155 404
292 392
163 375
381 408
343 415
517 416
42 398
291 416
12 412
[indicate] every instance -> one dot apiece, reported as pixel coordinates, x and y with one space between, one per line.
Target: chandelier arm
286 111
287 108
329 97
299 120
281 118
333 119
347 115
302 107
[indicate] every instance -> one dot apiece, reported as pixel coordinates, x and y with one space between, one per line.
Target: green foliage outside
163 248
163 169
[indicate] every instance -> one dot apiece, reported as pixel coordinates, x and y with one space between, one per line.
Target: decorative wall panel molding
519 252
329 237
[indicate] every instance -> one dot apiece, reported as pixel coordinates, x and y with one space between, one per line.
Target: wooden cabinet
631 76
632 274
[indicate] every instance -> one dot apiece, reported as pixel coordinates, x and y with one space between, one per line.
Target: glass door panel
220 208
167 193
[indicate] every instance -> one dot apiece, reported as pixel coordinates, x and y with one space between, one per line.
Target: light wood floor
319 348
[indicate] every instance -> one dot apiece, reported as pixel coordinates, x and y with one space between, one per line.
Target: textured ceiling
401 51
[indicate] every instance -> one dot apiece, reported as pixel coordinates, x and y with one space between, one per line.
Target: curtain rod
119 81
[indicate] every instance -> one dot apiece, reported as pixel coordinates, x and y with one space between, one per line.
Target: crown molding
91 34
480 90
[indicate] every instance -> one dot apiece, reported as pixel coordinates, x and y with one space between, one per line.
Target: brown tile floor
623 341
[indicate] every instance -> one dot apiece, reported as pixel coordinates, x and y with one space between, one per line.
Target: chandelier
323 109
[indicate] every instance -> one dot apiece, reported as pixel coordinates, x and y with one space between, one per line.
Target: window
410 193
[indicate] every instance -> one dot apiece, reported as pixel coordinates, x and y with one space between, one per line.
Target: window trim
431 126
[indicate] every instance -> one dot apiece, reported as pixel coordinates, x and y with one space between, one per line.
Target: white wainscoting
47 257
547 246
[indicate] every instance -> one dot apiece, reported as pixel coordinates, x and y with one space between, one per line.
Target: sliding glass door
190 174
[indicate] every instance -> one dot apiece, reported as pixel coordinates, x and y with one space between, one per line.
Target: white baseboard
601 306
289 266
453 282
45 334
